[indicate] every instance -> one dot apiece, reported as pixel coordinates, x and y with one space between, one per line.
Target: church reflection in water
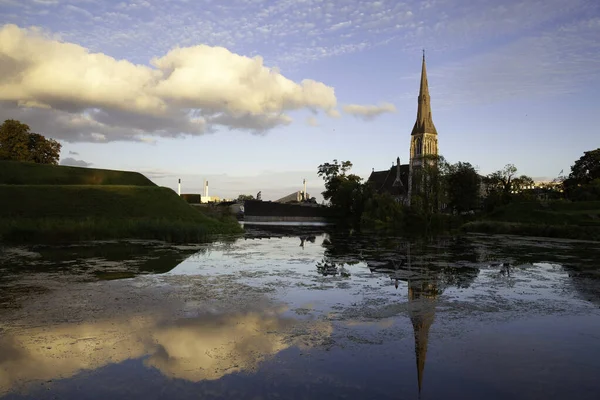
424 285
414 265
422 295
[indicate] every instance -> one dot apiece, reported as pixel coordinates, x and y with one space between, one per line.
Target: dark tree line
18 143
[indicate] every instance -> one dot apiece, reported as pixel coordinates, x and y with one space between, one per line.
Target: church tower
423 138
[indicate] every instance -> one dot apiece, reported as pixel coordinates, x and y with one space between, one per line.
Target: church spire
424 123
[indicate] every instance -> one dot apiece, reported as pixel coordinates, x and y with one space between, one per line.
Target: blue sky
174 89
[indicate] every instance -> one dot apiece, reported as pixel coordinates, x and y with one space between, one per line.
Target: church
397 181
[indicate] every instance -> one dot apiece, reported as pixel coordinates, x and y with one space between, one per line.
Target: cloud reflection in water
206 347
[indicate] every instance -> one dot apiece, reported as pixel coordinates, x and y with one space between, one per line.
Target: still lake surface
302 314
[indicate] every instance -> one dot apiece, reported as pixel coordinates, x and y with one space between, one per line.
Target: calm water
302 315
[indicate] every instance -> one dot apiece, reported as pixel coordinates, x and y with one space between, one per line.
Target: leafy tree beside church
18 143
583 182
343 190
462 187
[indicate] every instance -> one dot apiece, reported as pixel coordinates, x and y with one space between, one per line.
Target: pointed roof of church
386 181
424 123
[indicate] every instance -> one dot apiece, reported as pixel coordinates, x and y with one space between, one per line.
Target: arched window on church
419 147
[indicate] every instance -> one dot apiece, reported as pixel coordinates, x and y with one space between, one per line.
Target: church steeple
424 123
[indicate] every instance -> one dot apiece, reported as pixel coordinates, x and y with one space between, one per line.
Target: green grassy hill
41 203
23 173
584 213
71 201
565 219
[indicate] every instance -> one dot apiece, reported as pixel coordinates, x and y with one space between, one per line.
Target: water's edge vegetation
453 198
557 219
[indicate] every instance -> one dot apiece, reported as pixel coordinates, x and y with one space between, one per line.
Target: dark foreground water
302 315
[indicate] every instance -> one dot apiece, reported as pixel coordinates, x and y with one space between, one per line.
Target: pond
302 314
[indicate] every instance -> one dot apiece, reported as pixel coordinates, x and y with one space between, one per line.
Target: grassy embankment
44 203
564 219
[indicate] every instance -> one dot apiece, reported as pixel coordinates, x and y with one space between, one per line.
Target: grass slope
575 220
585 213
65 213
23 173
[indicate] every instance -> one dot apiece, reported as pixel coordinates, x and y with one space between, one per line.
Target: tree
462 187
14 141
428 191
521 183
501 181
17 143
501 185
382 211
587 168
345 191
334 175
498 186
583 182
42 150
243 197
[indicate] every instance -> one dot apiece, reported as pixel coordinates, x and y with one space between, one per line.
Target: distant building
294 197
210 199
398 180
196 198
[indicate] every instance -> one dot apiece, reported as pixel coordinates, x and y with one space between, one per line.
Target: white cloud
54 85
368 112
340 25
289 30
74 163
255 123
213 78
